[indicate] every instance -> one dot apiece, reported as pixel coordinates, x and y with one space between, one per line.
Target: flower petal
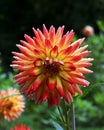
21 74
83 64
36 84
52 33
68 97
27 45
71 89
59 86
35 71
69 66
45 31
84 70
48 44
85 53
54 99
45 94
25 50
20 55
76 44
58 35
76 58
41 94
54 52
51 83
77 89
82 82
79 50
29 39
22 79
66 39
65 76
38 62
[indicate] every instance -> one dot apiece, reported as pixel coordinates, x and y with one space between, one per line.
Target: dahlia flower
51 66
11 104
20 127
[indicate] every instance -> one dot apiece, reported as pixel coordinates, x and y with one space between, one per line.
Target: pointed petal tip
90 59
83 38
13 52
72 31
18 45
38 29
21 41
63 26
44 26
80 93
91 71
86 46
10 65
25 35
33 28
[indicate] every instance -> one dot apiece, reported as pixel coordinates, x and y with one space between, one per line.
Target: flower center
9 105
52 67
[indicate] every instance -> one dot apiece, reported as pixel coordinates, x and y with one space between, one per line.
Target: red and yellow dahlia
11 104
20 127
51 66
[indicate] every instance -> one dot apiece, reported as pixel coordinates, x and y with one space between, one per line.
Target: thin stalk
66 117
62 118
73 116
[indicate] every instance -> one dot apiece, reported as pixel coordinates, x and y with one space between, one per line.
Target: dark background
19 16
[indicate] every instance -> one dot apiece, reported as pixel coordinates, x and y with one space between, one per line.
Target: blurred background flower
88 31
11 104
20 127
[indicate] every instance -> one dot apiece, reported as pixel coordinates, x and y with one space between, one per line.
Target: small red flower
51 66
11 104
20 127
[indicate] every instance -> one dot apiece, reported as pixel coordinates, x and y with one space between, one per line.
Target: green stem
73 116
66 117
66 120
66 113
61 115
